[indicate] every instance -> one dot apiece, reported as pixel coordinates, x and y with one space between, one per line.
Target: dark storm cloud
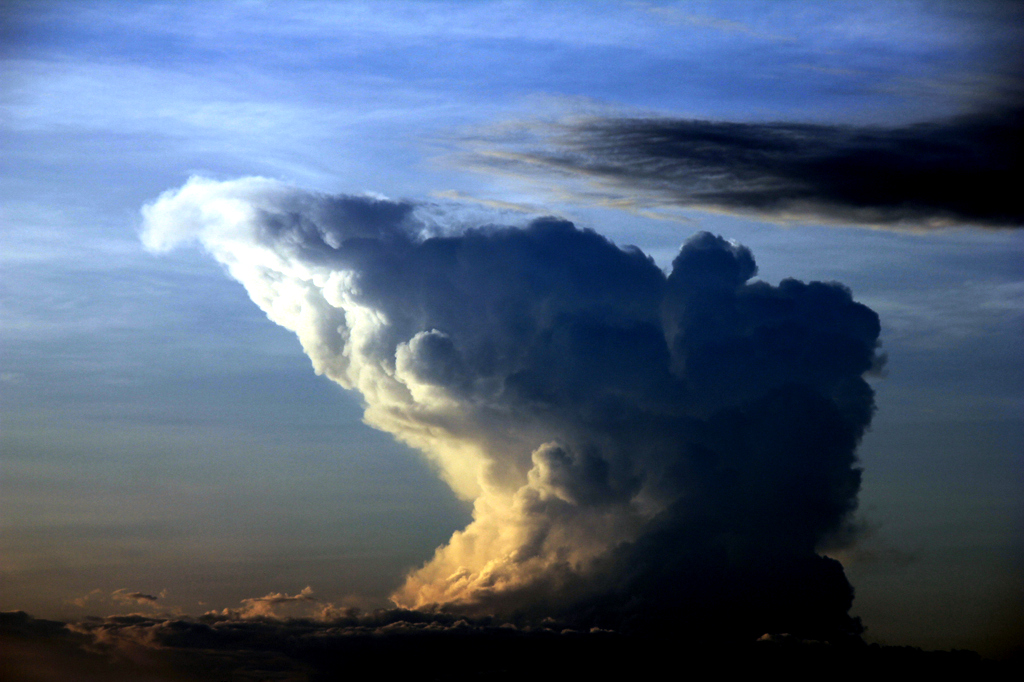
645 452
964 170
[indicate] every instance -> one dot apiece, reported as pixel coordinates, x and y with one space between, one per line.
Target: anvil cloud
641 450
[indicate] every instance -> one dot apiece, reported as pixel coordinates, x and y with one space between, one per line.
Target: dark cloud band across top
964 170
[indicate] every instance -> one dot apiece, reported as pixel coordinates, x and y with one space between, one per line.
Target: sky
376 304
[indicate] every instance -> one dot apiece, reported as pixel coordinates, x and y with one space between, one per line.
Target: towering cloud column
642 451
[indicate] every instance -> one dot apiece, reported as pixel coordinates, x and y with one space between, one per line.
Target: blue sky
160 433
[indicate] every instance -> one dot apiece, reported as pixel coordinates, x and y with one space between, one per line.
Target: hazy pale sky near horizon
160 434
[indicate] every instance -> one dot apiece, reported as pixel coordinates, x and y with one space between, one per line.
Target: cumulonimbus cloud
964 170
641 450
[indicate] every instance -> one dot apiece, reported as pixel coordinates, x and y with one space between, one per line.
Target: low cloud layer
413 644
961 171
642 451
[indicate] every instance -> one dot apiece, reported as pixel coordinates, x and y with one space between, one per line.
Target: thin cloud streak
128 597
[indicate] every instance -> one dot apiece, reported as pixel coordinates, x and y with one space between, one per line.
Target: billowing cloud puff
638 448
